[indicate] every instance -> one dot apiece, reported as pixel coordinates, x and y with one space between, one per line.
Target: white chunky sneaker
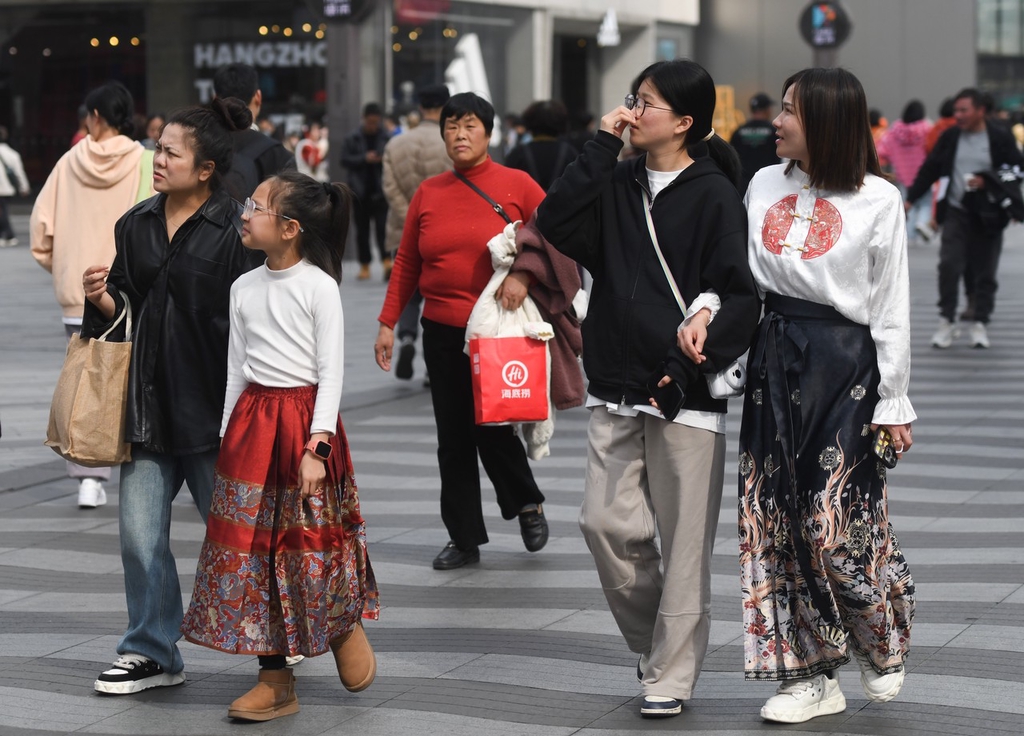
133 673
801 700
979 335
878 688
944 336
91 494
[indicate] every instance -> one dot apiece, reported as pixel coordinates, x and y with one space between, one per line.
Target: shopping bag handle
126 317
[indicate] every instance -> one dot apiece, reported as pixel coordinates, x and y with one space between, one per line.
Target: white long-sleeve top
844 249
287 330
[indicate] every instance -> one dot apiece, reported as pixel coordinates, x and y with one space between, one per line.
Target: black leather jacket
180 319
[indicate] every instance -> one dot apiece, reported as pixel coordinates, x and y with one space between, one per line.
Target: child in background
284 569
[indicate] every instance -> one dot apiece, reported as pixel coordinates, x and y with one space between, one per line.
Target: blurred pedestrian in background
311 153
256 156
363 156
754 141
903 146
409 160
72 222
12 181
83 128
546 153
154 123
974 155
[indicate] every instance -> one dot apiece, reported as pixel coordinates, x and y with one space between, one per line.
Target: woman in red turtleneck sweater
444 253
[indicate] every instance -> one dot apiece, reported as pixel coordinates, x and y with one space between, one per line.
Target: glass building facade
1000 39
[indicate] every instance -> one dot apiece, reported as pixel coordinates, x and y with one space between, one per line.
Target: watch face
322 450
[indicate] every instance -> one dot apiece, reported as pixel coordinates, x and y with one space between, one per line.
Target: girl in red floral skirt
284 569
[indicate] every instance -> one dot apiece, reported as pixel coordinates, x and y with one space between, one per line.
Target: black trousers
6 232
963 244
460 440
370 208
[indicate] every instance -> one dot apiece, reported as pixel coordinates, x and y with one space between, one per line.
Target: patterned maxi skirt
821 569
279 574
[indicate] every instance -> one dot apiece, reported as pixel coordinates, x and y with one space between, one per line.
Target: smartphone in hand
884 447
669 397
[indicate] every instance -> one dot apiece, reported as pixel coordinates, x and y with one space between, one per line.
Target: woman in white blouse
823 576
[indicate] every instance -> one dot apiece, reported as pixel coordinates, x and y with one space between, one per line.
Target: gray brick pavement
519 644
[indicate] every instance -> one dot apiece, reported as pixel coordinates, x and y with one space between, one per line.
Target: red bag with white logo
510 379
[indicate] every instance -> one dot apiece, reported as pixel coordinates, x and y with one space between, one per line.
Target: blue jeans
149 484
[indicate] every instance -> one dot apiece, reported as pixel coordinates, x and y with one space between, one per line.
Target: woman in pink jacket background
903 145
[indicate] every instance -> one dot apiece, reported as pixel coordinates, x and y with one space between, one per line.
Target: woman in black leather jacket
177 255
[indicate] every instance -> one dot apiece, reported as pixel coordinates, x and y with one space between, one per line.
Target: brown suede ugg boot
357 664
273 697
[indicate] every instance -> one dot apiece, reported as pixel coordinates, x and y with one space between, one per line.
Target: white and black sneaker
133 673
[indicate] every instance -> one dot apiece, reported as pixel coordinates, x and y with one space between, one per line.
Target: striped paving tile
520 643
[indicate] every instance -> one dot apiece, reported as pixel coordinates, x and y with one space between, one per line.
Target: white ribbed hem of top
76 321
894 411
712 421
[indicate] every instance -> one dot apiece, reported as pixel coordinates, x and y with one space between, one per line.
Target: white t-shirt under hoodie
287 330
844 249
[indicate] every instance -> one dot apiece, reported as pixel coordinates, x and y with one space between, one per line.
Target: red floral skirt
278 573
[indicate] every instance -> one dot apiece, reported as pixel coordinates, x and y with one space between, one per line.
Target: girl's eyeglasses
250 207
640 104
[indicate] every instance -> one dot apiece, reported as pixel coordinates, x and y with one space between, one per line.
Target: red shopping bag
510 379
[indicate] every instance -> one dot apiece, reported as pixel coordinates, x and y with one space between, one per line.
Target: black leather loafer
452 557
534 528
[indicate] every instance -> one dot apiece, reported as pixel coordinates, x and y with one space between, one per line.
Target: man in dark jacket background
257 155
363 155
754 141
961 154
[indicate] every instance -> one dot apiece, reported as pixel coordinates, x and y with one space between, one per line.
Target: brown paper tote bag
87 414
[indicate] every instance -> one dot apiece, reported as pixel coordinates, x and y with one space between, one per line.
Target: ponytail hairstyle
323 211
113 102
688 88
837 127
209 129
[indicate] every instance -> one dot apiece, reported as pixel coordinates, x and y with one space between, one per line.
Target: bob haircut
834 113
467 103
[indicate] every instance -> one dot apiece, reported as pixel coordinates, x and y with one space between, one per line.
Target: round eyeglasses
640 104
250 208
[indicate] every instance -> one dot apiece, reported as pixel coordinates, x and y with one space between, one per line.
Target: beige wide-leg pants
645 474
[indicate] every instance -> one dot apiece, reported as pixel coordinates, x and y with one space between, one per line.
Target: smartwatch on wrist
319 448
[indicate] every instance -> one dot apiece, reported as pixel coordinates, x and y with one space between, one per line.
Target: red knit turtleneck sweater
444 244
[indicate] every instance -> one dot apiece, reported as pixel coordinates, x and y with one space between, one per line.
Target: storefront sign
825 25
265 53
347 10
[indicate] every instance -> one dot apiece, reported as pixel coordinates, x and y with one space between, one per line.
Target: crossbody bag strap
494 205
661 256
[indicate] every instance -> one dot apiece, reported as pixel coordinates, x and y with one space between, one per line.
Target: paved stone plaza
519 643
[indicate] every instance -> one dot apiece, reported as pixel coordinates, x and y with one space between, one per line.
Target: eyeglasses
640 104
250 207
